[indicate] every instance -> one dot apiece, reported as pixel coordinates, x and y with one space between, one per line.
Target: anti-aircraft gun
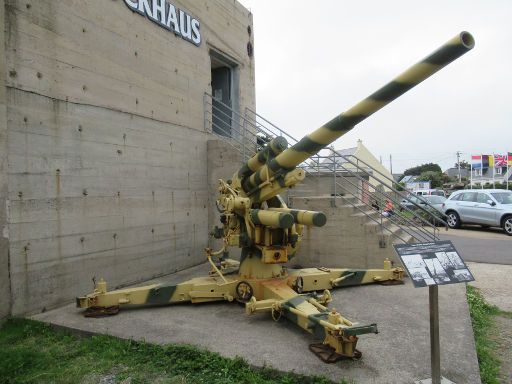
255 219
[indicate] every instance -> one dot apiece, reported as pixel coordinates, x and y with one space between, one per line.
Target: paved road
480 245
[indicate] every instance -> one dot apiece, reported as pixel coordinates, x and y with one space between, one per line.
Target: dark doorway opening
221 103
224 93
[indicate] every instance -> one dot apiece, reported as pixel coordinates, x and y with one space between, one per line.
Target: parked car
487 207
428 192
433 200
432 204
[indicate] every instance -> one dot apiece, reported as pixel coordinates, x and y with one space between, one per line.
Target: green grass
32 352
482 315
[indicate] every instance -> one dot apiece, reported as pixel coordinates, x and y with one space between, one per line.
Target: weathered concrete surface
5 290
323 184
124 198
398 354
348 239
106 145
494 282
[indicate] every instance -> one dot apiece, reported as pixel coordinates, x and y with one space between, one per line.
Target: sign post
435 350
433 264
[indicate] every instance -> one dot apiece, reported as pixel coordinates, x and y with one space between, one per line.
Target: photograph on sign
434 263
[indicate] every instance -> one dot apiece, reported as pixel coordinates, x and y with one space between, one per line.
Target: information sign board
435 263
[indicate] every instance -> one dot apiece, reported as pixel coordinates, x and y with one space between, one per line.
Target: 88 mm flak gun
255 219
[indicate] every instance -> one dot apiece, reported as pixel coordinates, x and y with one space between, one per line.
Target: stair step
404 239
369 216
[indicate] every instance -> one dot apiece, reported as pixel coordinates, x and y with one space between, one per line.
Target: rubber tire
507 225
453 217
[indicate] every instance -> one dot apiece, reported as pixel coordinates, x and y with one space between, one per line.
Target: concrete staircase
350 238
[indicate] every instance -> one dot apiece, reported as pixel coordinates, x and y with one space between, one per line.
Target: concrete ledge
400 353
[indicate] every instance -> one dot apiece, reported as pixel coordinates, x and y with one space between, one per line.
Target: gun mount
255 219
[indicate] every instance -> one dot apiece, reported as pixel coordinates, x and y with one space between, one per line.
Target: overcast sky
316 59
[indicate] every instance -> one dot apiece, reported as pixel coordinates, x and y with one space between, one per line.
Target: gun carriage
256 219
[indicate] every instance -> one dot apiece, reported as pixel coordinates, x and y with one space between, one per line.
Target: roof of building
397 176
454 172
341 152
408 179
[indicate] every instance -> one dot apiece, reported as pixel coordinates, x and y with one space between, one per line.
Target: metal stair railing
241 133
399 193
416 232
254 130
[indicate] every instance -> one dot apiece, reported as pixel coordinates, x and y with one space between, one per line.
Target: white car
487 207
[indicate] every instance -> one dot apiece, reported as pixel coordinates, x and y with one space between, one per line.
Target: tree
435 178
418 170
463 165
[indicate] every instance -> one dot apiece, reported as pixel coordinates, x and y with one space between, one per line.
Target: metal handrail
392 182
410 222
425 235
399 193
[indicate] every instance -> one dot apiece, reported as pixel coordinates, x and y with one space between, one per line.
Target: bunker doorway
224 91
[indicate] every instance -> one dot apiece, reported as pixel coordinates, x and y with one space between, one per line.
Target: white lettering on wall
134 5
185 27
196 36
172 20
167 16
159 10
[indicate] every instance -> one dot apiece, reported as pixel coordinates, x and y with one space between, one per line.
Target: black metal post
435 353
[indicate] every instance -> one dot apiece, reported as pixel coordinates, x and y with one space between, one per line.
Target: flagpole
493 171
507 176
481 171
471 174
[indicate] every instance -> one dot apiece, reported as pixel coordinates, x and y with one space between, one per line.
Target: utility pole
458 163
390 164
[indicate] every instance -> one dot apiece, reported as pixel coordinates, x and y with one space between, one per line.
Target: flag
500 161
476 161
509 159
486 161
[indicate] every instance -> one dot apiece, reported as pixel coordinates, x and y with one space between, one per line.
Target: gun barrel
314 218
343 123
271 218
271 150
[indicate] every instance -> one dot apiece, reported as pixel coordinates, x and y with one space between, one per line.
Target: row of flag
491 161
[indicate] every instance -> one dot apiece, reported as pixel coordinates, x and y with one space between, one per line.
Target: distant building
362 157
487 175
346 171
417 185
489 169
397 176
454 172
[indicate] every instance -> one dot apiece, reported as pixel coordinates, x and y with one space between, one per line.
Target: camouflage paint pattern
273 148
343 123
313 218
269 234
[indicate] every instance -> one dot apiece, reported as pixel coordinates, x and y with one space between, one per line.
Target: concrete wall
108 165
5 289
323 185
348 239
